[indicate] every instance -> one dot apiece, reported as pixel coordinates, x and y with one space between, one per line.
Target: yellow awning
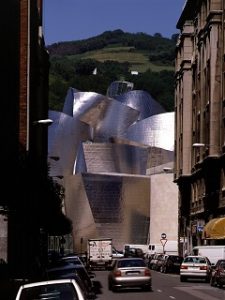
214 229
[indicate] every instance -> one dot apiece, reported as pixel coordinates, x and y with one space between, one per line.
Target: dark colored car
130 273
63 269
171 264
154 261
133 252
218 273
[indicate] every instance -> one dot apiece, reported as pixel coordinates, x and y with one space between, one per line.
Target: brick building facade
24 92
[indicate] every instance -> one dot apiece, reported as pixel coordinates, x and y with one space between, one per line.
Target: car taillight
203 268
184 267
147 272
117 273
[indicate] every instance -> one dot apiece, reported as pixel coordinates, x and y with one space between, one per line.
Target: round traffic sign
163 235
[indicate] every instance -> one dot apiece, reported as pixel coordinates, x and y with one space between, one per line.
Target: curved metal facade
103 148
141 101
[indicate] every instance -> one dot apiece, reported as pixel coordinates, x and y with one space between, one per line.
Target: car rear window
64 291
131 263
176 258
196 260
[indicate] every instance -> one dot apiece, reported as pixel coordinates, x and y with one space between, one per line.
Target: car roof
131 258
39 283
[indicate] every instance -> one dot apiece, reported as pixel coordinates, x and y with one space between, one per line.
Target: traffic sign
163 236
163 242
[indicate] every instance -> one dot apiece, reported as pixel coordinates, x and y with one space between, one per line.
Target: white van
170 247
213 252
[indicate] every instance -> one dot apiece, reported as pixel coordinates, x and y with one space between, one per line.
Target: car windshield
176 259
56 291
131 263
197 260
61 273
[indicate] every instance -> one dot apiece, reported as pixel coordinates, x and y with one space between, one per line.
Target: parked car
129 273
159 262
195 267
171 264
153 263
134 252
63 269
116 253
218 273
74 259
64 289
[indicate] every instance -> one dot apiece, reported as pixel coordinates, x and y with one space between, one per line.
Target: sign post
163 241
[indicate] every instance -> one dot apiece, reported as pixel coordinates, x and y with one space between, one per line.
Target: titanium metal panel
115 158
141 101
157 131
119 87
107 205
65 136
107 116
106 141
69 101
78 209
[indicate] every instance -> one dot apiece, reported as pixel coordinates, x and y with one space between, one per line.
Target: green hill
115 54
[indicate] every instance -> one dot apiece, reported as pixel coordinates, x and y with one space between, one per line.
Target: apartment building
200 123
24 101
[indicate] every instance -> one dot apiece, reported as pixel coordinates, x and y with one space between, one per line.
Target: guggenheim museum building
110 154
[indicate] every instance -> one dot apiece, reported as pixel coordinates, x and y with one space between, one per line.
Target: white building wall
163 208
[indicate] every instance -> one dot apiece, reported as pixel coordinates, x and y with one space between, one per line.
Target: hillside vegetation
114 54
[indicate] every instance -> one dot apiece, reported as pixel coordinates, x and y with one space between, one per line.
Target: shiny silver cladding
157 131
108 206
115 158
69 101
119 87
141 101
65 137
105 115
101 140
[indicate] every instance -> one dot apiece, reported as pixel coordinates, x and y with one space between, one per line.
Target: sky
71 20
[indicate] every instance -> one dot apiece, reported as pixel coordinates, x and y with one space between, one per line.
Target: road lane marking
171 297
196 293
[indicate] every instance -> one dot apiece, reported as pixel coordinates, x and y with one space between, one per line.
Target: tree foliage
41 199
69 70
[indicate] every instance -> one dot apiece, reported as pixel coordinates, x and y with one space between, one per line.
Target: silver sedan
195 267
130 273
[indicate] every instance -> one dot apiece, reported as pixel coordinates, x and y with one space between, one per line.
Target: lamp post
199 145
43 122
168 170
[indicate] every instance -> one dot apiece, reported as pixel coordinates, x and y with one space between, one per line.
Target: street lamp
43 122
199 145
168 170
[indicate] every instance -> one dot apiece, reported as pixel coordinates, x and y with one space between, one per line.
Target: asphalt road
165 287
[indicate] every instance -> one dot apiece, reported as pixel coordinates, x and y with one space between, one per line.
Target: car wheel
114 289
183 279
212 282
148 288
109 286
